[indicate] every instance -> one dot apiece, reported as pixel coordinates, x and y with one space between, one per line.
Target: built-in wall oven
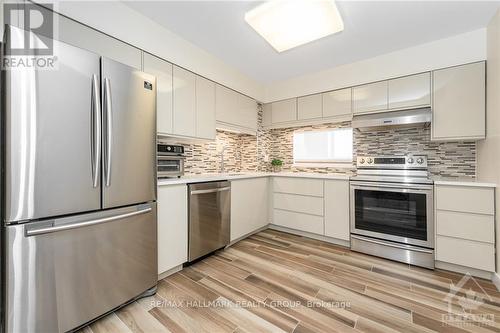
392 209
170 161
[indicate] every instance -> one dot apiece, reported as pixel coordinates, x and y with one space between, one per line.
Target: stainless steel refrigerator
79 189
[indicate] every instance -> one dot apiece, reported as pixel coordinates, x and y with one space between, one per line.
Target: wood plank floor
277 282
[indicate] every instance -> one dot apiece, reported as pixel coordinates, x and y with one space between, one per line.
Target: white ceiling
371 28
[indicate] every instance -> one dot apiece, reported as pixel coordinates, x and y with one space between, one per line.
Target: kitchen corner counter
190 179
452 181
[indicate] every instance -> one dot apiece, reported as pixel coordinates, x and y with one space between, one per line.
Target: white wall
488 154
460 49
122 22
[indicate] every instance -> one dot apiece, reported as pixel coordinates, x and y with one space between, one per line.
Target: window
331 146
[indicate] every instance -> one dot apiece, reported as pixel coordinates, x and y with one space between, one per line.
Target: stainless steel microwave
170 161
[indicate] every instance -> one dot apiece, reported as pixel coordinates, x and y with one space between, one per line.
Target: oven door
396 212
170 166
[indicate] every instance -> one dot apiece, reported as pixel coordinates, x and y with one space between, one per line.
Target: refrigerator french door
79 189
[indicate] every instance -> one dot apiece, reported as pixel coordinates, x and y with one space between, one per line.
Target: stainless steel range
392 209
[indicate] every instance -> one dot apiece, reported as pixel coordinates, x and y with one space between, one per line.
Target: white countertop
453 181
210 177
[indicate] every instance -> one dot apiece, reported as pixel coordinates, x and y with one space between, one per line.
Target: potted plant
277 164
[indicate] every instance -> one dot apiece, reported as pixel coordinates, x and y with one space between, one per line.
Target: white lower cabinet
312 205
249 206
465 226
337 209
172 226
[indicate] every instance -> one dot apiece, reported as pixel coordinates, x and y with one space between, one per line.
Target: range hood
406 118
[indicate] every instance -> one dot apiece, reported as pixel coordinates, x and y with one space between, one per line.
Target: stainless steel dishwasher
209 217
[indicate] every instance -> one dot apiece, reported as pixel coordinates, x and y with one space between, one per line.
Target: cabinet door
337 103
249 206
184 120
172 226
459 105
205 108
309 107
226 103
79 35
284 111
247 112
266 114
370 97
410 91
164 91
337 209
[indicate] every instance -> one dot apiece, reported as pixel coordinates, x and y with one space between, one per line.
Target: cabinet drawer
299 203
466 226
304 186
466 253
298 221
465 199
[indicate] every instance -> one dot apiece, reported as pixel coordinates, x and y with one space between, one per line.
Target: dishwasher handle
213 190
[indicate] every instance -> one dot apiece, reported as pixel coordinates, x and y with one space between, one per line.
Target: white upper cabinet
370 97
79 35
184 120
235 111
205 108
267 109
247 112
309 107
410 91
164 90
337 103
459 103
284 111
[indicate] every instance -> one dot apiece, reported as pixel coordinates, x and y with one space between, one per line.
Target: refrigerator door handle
46 230
96 130
109 129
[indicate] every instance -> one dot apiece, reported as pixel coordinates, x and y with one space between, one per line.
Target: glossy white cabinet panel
302 186
249 206
410 91
299 203
184 120
172 226
164 89
459 102
205 108
477 227
79 35
284 111
267 109
247 112
337 209
477 200
309 107
370 97
298 221
466 253
337 103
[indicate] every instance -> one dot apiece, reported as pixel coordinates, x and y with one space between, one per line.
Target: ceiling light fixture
286 24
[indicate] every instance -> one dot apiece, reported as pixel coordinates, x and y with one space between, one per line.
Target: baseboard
169 272
248 235
331 240
464 270
496 280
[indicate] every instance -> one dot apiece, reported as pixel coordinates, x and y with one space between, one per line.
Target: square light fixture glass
286 24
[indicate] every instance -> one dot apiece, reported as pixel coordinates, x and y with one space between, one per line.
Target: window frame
323 163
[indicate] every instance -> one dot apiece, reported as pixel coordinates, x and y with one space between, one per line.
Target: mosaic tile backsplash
249 153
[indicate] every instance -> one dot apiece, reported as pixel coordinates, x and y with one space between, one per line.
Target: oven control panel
392 162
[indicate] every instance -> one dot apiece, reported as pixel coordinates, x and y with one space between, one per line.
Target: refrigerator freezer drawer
63 273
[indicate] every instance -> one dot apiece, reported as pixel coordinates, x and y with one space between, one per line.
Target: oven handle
401 246
400 187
